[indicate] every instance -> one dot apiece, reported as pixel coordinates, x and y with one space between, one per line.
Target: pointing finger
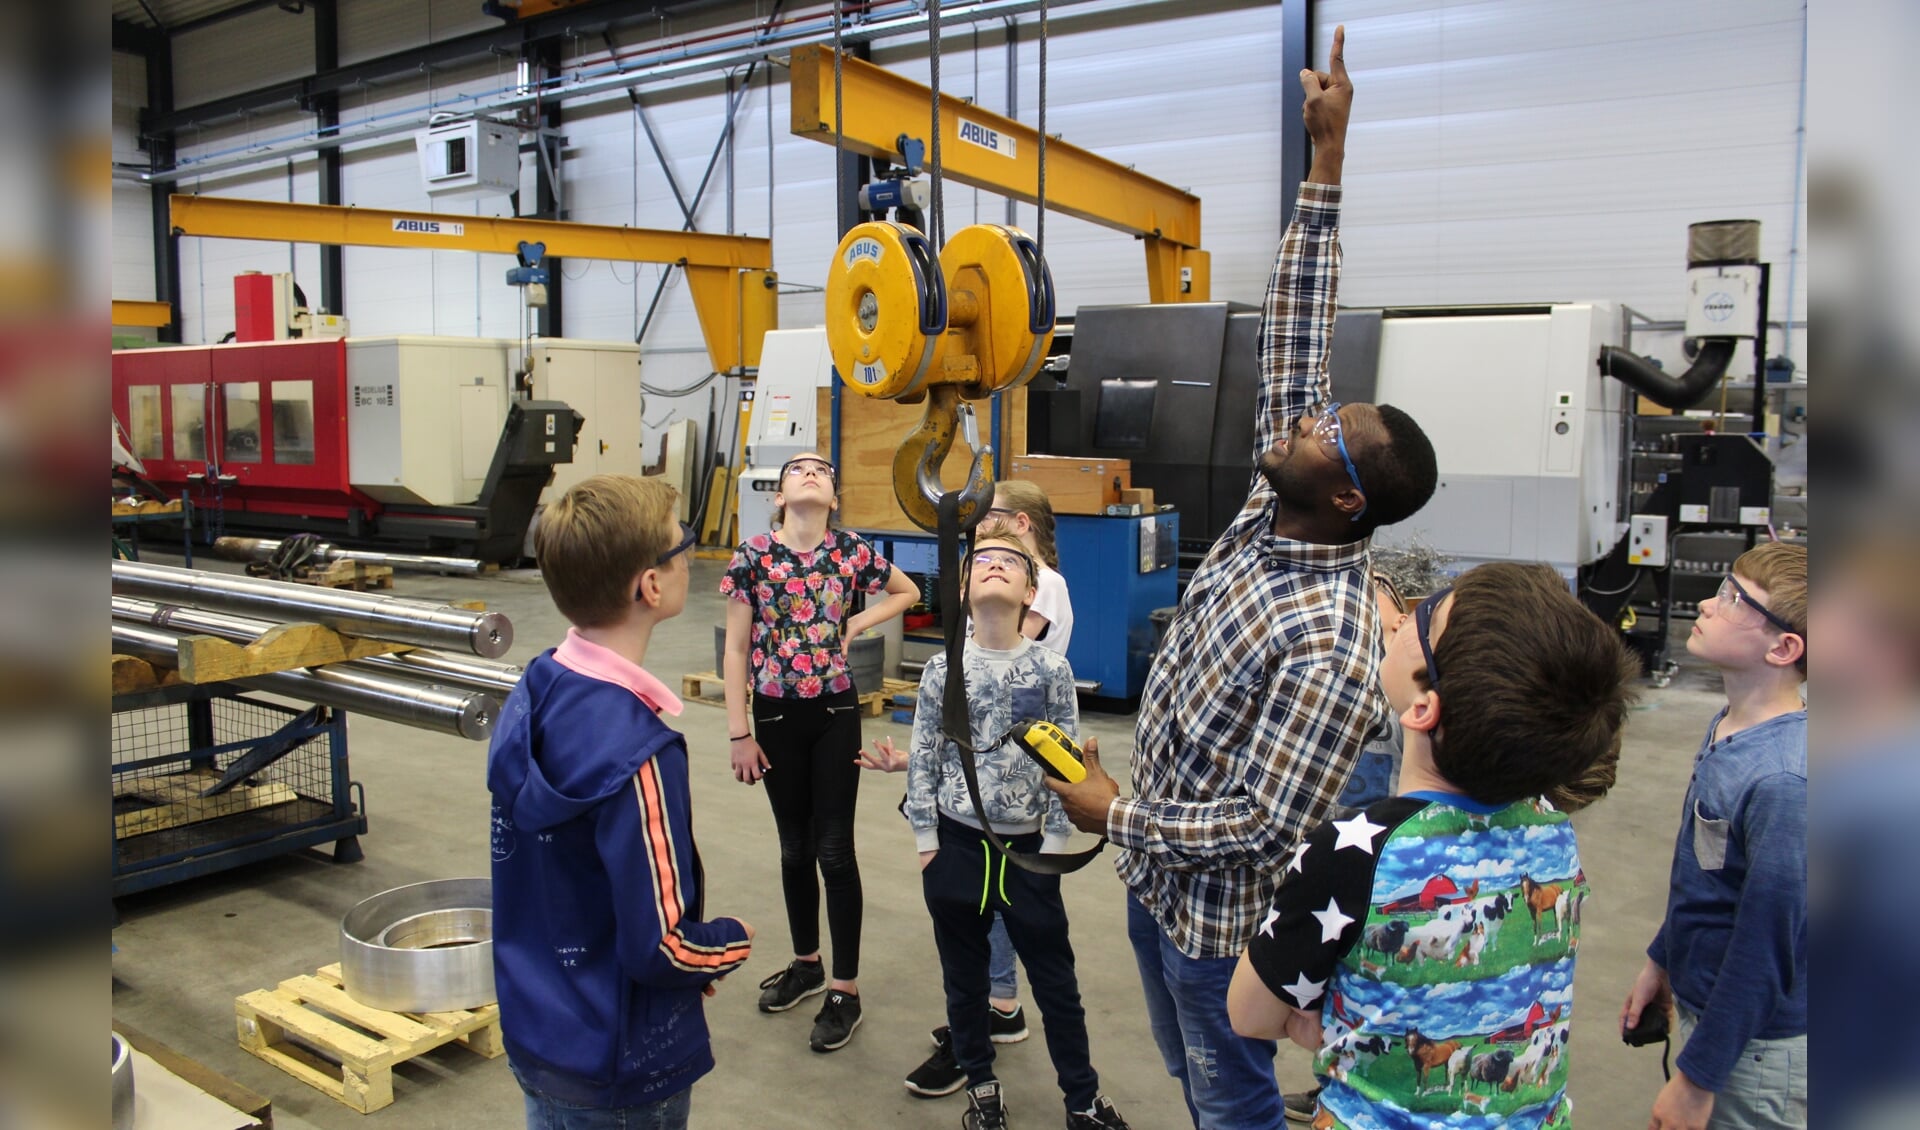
1337 63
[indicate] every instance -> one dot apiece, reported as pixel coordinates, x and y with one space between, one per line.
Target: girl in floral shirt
788 626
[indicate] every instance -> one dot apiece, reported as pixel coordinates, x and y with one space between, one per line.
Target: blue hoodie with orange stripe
599 947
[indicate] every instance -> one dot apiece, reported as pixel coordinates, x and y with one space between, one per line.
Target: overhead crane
730 277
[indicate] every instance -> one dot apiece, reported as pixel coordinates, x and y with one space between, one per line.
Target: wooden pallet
350 575
149 506
174 799
707 687
354 1067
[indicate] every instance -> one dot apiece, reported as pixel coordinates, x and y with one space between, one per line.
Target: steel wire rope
938 227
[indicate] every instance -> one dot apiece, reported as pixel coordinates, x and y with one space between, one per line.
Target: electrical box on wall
1647 541
469 159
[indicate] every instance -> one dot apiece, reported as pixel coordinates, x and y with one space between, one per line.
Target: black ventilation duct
1677 393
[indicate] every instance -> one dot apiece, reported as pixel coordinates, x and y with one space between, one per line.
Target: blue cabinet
1103 559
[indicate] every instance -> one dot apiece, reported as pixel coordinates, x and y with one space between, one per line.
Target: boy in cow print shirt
1424 947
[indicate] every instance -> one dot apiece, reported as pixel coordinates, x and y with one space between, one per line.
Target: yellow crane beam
729 276
129 312
997 153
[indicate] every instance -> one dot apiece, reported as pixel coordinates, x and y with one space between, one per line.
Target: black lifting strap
956 725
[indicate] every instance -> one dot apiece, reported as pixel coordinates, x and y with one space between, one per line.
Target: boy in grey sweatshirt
1010 681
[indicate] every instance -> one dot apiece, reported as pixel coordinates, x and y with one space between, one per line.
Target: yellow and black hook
917 462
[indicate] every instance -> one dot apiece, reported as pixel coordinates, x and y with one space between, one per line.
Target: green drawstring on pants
986 881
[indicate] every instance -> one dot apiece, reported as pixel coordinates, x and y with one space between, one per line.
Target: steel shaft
461 712
486 634
261 549
415 666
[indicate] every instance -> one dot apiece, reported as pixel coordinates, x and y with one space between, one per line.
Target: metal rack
172 745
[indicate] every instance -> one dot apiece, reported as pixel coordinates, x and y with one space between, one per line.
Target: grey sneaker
984 1109
833 1025
1007 1027
1100 1116
1301 1106
798 981
940 1074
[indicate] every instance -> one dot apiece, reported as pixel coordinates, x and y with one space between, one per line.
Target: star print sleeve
1317 915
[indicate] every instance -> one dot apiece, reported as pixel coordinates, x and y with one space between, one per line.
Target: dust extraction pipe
1723 307
486 634
447 710
416 666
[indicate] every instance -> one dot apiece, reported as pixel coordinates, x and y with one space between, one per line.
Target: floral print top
800 601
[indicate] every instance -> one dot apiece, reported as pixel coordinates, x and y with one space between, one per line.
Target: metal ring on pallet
425 947
122 1084
886 308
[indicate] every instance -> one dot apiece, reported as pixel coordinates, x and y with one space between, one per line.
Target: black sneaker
984 1109
1100 1116
1301 1106
1007 1027
833 1025
798 981
940 1074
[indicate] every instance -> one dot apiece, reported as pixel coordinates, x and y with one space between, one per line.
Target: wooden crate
708 687
342 1059
1075 485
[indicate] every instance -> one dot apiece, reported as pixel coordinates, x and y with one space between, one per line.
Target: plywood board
870 433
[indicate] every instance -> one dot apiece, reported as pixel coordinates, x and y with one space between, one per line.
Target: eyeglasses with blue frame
1326 429
1423 627
687 538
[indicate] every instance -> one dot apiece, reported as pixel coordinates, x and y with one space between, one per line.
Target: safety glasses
807 465
1738 607
1326 429
687 538
1001 559
1423 627
1388 589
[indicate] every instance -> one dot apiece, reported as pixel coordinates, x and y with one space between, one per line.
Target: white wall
1502 150
132 219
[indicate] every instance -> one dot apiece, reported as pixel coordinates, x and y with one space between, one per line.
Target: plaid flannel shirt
1266 687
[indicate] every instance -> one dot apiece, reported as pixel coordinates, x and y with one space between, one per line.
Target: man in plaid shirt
1266 687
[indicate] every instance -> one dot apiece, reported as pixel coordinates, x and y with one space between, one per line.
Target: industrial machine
404 441
794 364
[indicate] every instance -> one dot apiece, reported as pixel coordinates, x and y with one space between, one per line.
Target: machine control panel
1561 418
1647 541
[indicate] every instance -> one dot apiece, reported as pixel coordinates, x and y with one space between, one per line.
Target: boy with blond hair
1731 956
1010 680
601 949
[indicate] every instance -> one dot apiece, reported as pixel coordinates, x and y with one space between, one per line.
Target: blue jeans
1228 1080
1003 983
544 1112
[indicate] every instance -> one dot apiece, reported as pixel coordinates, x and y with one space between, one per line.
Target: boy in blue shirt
601 952
1731 956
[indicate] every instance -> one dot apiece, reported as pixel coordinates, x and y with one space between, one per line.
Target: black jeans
964 885
813 783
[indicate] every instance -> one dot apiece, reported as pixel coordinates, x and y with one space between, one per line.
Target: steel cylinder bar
263 549
461 712
486 634
432 667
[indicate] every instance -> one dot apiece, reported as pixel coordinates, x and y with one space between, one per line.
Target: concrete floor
186 951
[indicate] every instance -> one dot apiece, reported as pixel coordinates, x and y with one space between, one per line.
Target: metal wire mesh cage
223 779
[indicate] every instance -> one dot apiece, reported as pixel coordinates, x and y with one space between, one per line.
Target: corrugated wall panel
244 53
1550 149
132 203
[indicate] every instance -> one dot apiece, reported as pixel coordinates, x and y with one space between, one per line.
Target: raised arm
1296 325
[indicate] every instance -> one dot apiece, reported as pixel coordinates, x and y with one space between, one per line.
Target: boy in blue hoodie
601 952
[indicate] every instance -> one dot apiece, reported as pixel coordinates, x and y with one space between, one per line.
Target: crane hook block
886 308
1001 289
